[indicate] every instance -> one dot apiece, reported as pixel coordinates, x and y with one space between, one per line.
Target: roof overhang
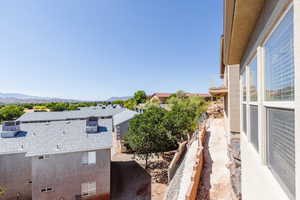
218 91
240 17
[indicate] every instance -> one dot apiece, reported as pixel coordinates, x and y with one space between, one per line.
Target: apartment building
261 46
121 128
52 157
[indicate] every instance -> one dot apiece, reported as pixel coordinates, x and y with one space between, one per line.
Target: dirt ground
130 180
215 179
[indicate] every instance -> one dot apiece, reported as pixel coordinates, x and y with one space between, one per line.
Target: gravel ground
215 179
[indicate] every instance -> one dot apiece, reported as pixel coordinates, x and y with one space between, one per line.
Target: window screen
281 147
245 118
253 80
254 126
279 62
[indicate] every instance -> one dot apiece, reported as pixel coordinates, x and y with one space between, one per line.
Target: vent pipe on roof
58 146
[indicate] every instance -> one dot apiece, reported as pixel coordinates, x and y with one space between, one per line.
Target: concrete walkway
179 185
215 179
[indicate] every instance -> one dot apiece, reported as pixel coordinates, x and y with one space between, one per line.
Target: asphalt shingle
58 137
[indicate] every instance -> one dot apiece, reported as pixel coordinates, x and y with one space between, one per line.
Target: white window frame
259 53
253 57
275 104
92 157
244 70
266 104
89 158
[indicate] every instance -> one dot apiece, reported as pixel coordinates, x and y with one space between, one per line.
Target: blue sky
96 49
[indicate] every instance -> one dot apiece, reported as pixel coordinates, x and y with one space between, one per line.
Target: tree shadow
129 181
205 185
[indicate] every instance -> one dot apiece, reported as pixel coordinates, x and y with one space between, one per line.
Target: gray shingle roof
69 115
58 137
123 116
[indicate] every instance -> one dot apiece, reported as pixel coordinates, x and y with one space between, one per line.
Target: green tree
57 106
28 106
10 112
180 121
180 94
130 104
147 134
140 96
184 115
73 107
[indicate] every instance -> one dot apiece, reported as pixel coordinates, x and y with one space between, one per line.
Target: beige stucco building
260 65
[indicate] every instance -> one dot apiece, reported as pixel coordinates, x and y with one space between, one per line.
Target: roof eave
240 17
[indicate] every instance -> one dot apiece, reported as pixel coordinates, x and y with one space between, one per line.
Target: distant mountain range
14 98
17 98
119 98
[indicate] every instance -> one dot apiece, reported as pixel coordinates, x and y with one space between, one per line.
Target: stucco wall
64 173
124 129
234 97
257 180
118 142
15 174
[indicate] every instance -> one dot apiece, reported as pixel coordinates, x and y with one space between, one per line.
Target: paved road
129 181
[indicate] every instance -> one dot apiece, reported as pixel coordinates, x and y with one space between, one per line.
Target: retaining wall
197 169
176 160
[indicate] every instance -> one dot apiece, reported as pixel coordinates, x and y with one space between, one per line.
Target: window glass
245 118
84 158
254 126
279 62
253 80
92 157
281 147
244 87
